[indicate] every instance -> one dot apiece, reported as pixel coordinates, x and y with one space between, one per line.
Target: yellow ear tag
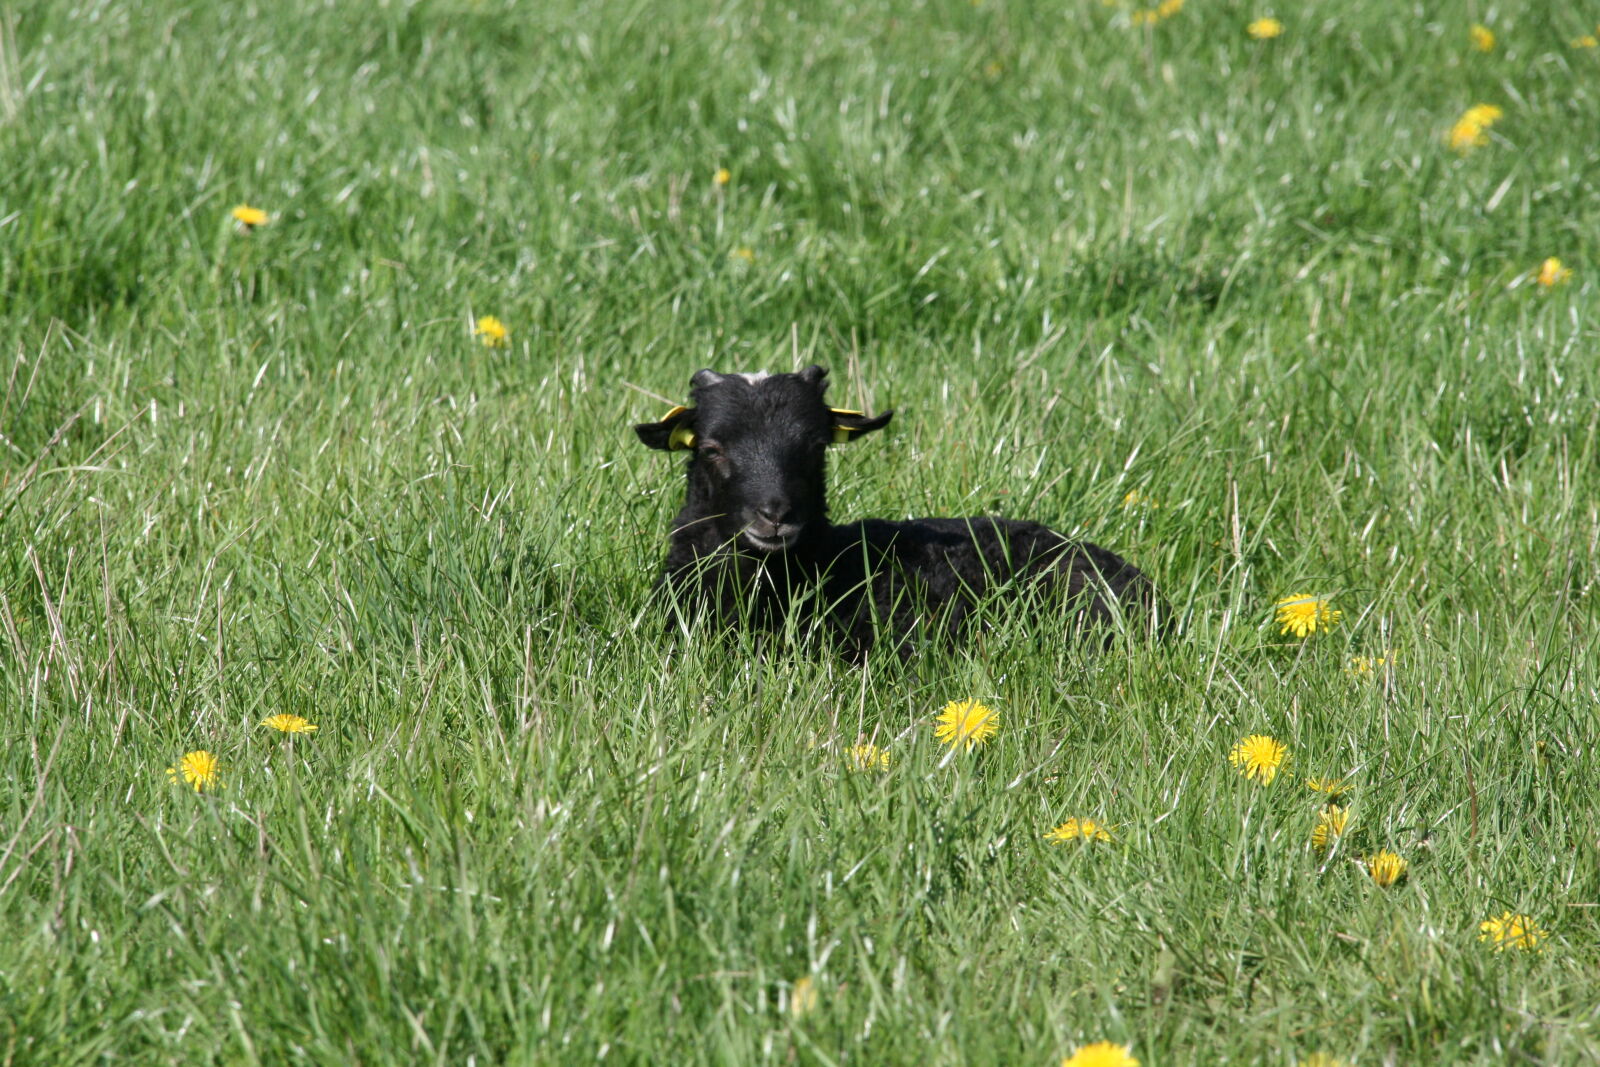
841 434
681 438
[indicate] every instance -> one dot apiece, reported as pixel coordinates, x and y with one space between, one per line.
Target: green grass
243 474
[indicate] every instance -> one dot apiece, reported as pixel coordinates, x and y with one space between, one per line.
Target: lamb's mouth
783 541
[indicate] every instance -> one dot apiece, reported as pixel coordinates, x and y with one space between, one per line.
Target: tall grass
1231 308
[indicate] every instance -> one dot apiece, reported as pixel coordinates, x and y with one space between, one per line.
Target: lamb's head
758 444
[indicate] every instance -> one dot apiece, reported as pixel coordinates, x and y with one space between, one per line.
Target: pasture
1272 316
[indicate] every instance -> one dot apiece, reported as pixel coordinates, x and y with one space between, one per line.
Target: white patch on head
755 378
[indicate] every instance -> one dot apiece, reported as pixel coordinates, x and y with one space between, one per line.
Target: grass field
1234 308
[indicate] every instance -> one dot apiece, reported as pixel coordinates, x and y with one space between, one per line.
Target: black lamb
753 543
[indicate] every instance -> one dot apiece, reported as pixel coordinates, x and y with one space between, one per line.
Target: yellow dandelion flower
1472 128
1331 823
1552 273
1142 18
1079 830
1258 757
1510 929
1588 40
967 722
198 769
1386 868
1466 135
1264 29
1101 1054
1482 38
867 757
1484 115
723 176
1305 612
1168 8
251 217
746 254
802 998
1334 787
290 724
492 332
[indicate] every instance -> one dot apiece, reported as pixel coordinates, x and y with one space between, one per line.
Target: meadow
1272 315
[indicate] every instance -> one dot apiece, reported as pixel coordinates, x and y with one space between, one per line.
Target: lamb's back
914 565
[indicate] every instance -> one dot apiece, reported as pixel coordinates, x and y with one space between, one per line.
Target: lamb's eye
710 450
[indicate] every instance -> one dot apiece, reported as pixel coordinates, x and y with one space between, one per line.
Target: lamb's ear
816 375
674 433
848 425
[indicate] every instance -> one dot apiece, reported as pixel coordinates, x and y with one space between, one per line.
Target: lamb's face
760 443
760 449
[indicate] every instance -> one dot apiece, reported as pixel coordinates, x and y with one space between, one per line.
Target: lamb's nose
776 512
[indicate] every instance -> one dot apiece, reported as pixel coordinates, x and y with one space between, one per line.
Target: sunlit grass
1232 307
